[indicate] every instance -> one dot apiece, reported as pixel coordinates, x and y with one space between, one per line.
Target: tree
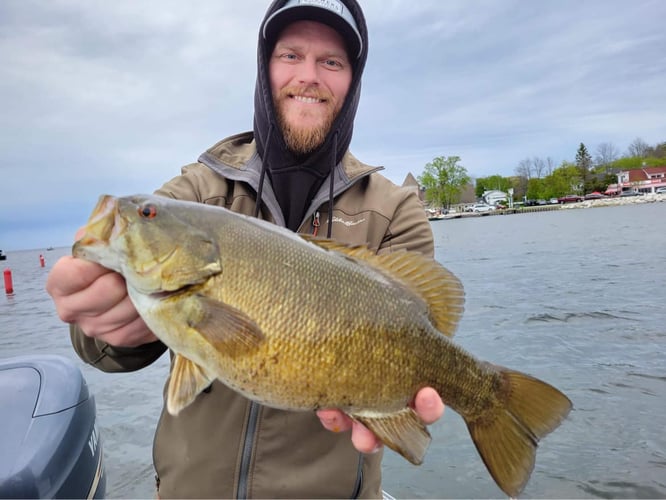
539 167
564 180
524 169
550 165
524 174
607 153
659 151
535 189
584 162
639 148
498 182
583 159
444 180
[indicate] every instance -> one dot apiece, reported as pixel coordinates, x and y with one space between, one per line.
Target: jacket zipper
248 445
359 477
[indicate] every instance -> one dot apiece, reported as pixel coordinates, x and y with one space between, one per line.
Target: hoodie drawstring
330 188
264 168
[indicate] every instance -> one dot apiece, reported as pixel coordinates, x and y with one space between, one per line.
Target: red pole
41 260
9 288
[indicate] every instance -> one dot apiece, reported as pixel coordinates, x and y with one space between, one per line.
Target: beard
302 139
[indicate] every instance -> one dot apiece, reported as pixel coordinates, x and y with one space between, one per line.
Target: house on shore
493 196
644 180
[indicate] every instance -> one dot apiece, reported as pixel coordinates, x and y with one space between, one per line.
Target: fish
301 323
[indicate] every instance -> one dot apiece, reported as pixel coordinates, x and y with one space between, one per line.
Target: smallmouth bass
300 323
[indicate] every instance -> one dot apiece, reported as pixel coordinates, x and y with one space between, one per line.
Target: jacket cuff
114 359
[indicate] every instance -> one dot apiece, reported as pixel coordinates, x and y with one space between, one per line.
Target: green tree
536 189
564 180
498 182
584 162
443 180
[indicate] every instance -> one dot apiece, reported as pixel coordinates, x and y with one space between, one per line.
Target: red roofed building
642 180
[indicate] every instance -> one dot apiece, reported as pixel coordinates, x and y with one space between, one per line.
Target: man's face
310 75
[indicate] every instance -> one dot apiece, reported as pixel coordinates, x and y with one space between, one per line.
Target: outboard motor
49 443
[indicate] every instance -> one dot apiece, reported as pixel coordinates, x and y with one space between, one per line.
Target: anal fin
403 432
187 381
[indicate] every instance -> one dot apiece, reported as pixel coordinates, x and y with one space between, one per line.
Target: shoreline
600 203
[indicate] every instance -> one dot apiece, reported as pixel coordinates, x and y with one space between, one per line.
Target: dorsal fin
436 285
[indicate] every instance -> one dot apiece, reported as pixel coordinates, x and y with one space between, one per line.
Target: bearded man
295 170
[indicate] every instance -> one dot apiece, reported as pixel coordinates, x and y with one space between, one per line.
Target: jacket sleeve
126 359
409 228
113 359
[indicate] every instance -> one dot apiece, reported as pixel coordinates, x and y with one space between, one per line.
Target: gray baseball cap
331 12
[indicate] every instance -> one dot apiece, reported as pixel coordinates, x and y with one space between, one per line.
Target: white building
493 196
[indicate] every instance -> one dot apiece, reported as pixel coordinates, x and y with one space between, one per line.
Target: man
294 170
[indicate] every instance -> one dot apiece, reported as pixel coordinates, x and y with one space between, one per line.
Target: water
575 297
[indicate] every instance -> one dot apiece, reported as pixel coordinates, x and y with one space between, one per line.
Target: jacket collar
236 158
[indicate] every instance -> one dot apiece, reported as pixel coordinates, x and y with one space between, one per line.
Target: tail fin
507 438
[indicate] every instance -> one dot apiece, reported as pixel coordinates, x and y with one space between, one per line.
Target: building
493 196
412 184
643 180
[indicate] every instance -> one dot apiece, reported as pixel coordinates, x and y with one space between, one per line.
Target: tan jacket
224 445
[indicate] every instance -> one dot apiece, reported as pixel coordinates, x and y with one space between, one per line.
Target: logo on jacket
348 223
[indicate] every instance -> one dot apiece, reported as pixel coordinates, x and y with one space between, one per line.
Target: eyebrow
342 53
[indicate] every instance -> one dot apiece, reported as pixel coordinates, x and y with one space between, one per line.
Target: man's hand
95 298
427 403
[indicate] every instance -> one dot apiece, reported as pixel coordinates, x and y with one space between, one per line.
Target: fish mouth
102 226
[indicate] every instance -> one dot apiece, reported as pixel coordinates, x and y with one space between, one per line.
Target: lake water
575 297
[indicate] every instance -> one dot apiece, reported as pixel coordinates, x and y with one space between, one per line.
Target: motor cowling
51 447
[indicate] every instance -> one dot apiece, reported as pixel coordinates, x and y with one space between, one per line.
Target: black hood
297 178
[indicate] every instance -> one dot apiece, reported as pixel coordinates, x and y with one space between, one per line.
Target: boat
435 214
2 256
51 447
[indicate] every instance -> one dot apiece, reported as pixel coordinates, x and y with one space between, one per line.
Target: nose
308 72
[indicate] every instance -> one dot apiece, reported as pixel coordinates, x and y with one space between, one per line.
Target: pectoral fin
403 432
187 381
226 328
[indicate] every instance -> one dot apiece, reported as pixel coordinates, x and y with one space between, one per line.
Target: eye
333 64
148 211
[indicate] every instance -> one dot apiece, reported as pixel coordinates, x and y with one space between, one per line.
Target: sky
115 97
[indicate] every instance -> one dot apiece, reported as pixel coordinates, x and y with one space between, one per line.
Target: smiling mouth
307 100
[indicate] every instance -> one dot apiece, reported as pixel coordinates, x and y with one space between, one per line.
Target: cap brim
290 14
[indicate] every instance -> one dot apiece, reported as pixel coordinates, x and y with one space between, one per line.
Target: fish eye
148 211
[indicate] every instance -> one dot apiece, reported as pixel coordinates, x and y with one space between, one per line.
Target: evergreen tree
584 162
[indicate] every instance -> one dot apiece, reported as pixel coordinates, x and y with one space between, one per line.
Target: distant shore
602 202
613 201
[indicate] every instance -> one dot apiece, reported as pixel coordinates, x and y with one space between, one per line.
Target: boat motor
49 439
